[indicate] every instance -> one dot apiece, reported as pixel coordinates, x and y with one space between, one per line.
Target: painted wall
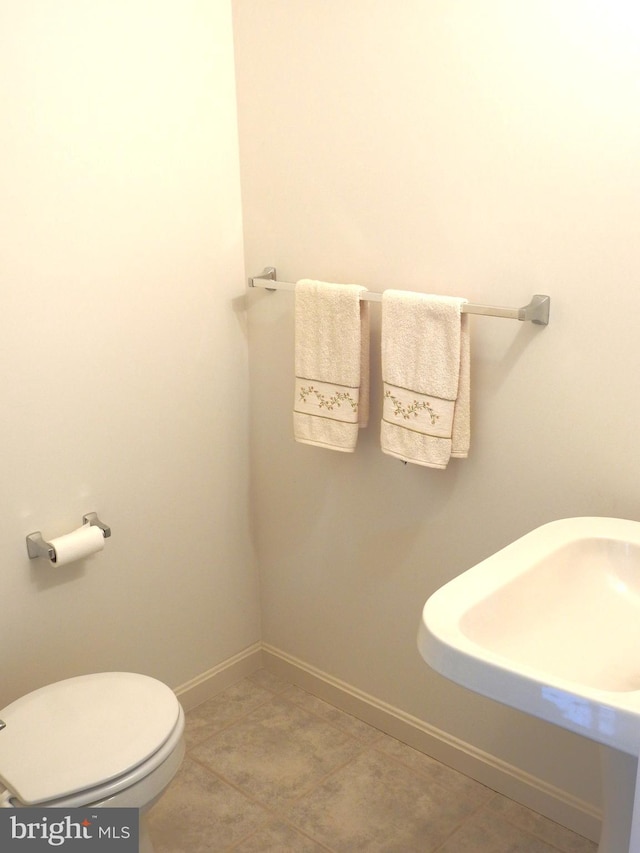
480 149
124 363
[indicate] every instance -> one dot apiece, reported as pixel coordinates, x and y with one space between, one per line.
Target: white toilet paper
86 540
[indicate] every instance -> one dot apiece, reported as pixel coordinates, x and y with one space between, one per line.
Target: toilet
110 739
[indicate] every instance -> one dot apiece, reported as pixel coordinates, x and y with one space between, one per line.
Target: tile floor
272 768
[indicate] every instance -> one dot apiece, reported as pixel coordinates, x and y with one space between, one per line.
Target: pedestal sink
550 625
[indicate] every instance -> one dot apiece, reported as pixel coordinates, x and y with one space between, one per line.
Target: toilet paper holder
37 547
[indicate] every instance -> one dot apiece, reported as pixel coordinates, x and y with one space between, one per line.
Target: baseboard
554 803
217 679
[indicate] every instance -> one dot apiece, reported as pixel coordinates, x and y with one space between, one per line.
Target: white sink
551 625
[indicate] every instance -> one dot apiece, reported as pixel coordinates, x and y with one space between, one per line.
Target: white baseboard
217 679
530 791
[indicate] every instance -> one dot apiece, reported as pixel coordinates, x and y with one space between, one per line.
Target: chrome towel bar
537 311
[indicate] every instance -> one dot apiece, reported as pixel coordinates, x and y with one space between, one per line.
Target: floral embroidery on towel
412 409
328 402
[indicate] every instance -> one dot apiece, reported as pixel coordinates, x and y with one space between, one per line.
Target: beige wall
480 149
124 365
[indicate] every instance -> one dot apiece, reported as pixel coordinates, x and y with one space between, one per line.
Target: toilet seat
87 737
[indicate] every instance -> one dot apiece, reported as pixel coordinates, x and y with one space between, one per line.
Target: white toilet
110 739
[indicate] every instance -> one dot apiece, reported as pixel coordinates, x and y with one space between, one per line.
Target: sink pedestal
619 773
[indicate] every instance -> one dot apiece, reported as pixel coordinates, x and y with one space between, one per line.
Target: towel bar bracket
268 273
537 311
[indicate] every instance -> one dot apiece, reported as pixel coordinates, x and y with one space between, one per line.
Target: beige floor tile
273 769
199 813
376 804
458 784
487 833
277 752
278 837
225 708
346 722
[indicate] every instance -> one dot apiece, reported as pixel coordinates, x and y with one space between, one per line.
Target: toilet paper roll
86 540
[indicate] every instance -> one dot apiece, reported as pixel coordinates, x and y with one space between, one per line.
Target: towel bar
537 311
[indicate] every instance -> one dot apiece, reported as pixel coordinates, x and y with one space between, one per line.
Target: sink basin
550 625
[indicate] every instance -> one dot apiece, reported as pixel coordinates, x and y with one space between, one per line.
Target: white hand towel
425 371
331 364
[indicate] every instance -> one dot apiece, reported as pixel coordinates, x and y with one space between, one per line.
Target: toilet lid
81 732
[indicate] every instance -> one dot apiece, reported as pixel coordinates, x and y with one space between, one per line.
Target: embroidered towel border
418 412
328 400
